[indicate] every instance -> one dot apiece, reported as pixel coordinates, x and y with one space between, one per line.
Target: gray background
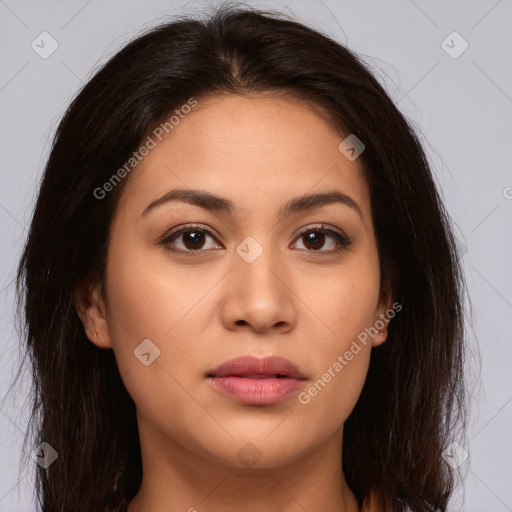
462 108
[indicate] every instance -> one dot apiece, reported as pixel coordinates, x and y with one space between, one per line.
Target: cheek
148 295
341 365
344 305
343 300
147 302
328 400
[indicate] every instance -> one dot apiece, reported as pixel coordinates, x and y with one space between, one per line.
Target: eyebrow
215 203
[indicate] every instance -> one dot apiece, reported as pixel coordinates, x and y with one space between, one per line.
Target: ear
383 317
91 310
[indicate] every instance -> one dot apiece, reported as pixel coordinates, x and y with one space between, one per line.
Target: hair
413 399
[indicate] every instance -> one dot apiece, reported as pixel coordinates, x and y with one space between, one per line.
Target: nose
259 297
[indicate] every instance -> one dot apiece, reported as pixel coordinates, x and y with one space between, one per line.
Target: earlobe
380 337
91 310
382 321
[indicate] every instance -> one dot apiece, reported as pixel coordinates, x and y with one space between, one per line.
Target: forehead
256 148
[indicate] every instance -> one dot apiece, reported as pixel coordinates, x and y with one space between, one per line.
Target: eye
189 238
314 238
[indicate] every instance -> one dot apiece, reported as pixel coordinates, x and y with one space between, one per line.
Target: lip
255 381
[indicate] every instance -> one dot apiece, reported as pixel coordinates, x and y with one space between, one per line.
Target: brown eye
193 239
315 239
189 239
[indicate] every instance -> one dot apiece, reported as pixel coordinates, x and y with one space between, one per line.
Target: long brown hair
413 398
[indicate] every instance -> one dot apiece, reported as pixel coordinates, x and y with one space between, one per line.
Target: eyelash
343 242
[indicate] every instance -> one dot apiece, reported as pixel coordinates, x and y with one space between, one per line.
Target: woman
240 287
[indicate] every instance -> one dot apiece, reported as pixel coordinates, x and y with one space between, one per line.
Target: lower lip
256 391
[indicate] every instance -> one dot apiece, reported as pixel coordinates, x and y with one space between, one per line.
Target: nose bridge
258 263
257 294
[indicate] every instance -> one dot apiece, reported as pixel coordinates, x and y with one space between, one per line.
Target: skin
306 305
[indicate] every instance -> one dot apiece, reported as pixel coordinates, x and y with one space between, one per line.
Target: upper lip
251 366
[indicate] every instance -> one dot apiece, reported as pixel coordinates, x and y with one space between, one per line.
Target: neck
178 479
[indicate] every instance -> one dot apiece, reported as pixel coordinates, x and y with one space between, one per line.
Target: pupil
193 238
315 239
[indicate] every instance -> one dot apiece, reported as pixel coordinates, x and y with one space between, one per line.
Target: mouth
254 381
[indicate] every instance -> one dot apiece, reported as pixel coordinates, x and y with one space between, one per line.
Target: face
248 266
